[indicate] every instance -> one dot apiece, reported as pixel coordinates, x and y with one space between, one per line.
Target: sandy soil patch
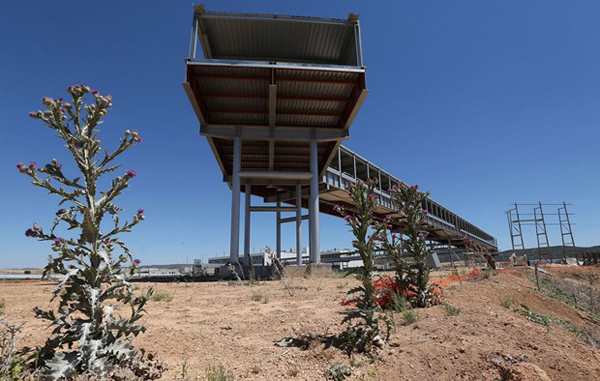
217 323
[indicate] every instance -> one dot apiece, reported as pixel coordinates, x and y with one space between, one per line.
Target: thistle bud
130 174
47 101
136 137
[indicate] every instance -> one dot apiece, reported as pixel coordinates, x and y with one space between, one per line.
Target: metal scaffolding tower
541 233
536 216
515 228
566 232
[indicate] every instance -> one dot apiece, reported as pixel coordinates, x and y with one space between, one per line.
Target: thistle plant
408 250
88 335
365 333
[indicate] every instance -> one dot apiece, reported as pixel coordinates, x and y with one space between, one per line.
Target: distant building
339 258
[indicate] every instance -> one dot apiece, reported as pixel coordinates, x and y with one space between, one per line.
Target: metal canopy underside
279 38
276 111
277 82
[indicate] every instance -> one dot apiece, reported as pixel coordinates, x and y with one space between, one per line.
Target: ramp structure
275 97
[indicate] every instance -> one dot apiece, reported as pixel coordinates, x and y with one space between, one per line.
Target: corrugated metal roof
277 38
240 95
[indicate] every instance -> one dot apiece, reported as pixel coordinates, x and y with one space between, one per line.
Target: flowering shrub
364 334
88 334
409 250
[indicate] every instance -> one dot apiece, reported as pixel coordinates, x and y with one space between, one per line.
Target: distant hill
556 252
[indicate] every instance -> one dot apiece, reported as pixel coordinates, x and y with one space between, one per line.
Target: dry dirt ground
217 323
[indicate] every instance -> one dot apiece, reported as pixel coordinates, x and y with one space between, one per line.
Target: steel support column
247 206
278 241
299 225
234 253
313 204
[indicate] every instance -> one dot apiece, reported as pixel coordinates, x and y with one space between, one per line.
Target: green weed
506 301
162 297
410 316
452 311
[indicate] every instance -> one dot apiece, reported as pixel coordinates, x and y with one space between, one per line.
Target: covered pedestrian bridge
275 97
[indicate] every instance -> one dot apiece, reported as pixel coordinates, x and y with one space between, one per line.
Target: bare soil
218 323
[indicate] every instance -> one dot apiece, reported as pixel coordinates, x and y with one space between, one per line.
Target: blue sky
482 103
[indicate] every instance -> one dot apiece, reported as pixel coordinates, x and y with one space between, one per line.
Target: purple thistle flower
414 187
21 167
95 92
57 240
337 208
36 309
425 211
137 138
130 173
32 165
421 235
140 211
47 101
137 261
347 218
33 114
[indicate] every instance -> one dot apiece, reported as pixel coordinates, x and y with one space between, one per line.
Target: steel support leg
313 204
234 253
299 225
247 206
278 242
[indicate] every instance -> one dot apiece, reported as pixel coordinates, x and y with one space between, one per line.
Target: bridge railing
347 167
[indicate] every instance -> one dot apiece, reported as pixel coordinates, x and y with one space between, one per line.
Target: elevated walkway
275 97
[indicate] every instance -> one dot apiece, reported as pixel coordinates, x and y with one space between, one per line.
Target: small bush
410 316
338 372
257 297
399 303
2 306
162 297
506 301
265 299
452 311
218 373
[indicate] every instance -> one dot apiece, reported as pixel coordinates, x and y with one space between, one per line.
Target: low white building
339 258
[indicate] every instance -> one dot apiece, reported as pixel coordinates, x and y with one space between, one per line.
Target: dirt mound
527 371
